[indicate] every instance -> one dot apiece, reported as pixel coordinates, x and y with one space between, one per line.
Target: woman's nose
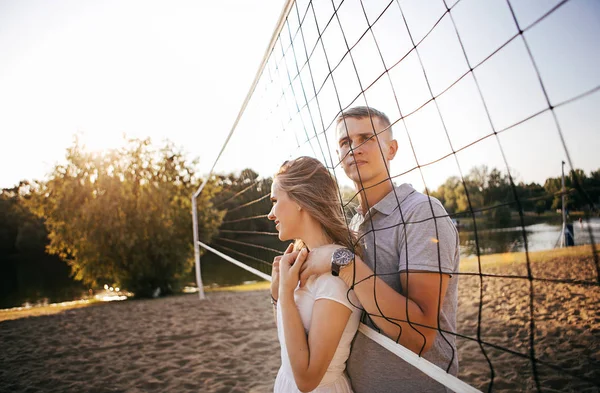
271 216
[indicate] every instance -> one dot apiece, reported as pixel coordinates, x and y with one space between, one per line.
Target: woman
315 323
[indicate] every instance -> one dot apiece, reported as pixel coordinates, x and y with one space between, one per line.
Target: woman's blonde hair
310 185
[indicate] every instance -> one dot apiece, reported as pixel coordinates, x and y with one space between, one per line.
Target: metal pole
280 23
197 248
564 214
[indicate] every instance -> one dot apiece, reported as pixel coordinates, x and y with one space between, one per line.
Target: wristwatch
341 257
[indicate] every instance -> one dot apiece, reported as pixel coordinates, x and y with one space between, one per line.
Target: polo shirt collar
389 203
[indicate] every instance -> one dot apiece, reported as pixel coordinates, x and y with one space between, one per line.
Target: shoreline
467 265
228 343
35 310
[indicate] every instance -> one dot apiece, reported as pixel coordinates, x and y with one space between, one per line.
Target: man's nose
356 149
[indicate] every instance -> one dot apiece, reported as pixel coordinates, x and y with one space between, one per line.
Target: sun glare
98 142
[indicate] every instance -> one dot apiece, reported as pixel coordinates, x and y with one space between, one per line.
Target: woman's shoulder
317 282
327 286
328 279
326 282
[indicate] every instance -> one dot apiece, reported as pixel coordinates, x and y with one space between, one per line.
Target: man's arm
419 303
423 284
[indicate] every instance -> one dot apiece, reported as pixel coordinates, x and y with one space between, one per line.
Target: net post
562 207
197 248
281 21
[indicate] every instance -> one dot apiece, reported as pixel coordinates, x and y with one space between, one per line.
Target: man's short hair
360 112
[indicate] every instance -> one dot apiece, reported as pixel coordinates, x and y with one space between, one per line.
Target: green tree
450 194
21 231
243 196
540 207
27 273
533 197
500 216
593 187
454 197
497 188
124 216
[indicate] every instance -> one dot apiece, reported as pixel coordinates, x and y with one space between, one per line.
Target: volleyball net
486 100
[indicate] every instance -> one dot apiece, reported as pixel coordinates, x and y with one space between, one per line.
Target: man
405 280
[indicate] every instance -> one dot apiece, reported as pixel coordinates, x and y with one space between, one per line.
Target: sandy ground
566 323
225 344
228 343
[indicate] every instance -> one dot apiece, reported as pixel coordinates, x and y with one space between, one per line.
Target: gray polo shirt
399 234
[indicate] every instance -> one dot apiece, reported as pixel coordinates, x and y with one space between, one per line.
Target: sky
180 71
564 47
175 70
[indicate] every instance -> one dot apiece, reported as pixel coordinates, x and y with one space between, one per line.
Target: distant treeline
486 190
123 217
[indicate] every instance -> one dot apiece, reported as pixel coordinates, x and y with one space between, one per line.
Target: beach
228 343
564 297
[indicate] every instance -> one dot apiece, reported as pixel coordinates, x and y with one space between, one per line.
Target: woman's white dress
325 286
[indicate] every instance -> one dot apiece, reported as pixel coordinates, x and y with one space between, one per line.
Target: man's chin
355 176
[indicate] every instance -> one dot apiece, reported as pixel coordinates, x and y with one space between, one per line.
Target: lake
541 236
54 284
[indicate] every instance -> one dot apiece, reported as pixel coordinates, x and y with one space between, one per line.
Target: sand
567 323
225 344
228 343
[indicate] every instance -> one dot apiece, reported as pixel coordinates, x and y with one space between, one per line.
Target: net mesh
486 100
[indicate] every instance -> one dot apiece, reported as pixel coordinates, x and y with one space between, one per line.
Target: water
35 286
541 236
37 279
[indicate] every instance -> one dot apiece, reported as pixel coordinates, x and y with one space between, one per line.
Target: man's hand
275 272
318 262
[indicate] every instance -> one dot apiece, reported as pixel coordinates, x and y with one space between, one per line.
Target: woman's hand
289 271
275 272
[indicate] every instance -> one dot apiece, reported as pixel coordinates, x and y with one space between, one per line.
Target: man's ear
392 149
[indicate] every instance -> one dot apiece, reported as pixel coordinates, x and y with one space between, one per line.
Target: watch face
342 256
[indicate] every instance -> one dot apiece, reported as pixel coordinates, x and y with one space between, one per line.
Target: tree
533 197
453 196
497 188
21 230
350 201
243 196
540 207
449 194
27 273
124 216
593 187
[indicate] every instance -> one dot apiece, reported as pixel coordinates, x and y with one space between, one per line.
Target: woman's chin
283 237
